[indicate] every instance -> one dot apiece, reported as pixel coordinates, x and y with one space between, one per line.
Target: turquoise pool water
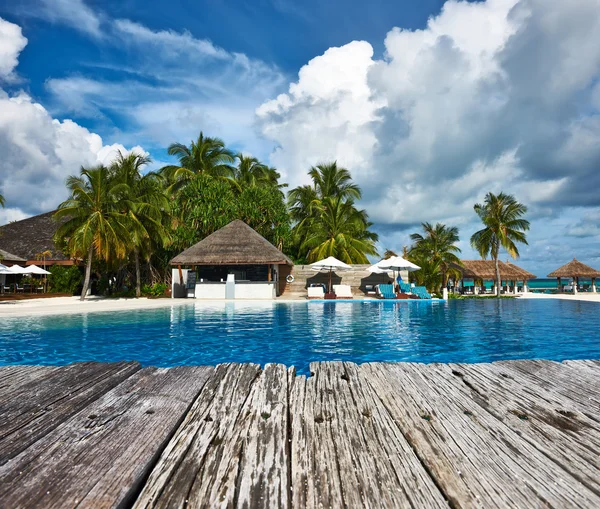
298 333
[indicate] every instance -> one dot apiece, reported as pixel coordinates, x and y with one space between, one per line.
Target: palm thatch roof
234 244
575 269
486 269
29 237
5 256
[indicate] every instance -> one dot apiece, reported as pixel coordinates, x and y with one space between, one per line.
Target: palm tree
438 246
331 180
205 156
145 203
2 201
340 230
504 226
94 224
388 253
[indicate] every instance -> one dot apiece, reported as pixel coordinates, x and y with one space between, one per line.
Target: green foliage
207 204
155 290
504 227
436 253
327 221
2 201
64 279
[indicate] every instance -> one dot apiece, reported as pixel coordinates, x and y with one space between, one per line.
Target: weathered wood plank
38 406
13 377
316 480
200 465
99 457
541 417
572 383
476 459
366 451
263 479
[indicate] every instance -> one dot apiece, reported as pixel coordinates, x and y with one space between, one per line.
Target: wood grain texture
475 458
49 396
200 465
99 456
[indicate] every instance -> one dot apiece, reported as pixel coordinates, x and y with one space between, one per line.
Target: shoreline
72 305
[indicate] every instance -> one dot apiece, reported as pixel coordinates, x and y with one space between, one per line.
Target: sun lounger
316 292
343 291
421 292
387 292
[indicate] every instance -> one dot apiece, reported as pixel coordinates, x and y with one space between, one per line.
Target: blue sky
429 104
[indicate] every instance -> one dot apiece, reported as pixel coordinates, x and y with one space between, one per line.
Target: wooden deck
508 434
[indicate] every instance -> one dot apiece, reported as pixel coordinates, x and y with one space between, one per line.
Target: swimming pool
297 333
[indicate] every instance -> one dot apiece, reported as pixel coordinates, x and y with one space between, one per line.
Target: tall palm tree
439 246
331 180
504 227
205 156
94 224
342 231
145 203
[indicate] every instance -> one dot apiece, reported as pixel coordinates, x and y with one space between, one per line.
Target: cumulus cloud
39 152
12 43
490 96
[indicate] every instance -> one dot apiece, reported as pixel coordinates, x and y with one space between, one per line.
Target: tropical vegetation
125 222
504 227
436 252
327 221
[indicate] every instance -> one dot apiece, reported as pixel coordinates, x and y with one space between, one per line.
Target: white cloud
12 43
38 151
74 13
176 85
490 96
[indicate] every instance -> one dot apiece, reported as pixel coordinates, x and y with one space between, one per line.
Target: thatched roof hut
30 237
234 244
486 269
575 269
9 258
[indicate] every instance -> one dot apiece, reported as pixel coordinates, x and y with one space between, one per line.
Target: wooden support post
180 274
269 273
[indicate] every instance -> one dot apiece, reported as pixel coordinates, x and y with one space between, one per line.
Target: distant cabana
234 262
575 270
31 240
512 277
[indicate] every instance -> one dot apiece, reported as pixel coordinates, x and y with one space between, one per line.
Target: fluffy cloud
495 95
12 43
38 151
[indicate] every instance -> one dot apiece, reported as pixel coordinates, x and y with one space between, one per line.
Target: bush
156 290
64 279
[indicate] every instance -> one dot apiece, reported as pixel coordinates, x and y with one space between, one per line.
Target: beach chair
421 292
387 292
316 292
405 288
342 291
18 288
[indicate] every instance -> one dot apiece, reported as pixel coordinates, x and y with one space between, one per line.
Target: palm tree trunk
138 277
88 273
497 277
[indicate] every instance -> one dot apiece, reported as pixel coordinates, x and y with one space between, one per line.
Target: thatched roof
575 269
486 269
31 236
234 244
9 257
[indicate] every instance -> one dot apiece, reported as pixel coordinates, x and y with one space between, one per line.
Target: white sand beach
587 297
71 305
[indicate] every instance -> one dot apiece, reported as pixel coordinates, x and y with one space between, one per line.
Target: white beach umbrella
397 263
17 269
331 264
38 270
